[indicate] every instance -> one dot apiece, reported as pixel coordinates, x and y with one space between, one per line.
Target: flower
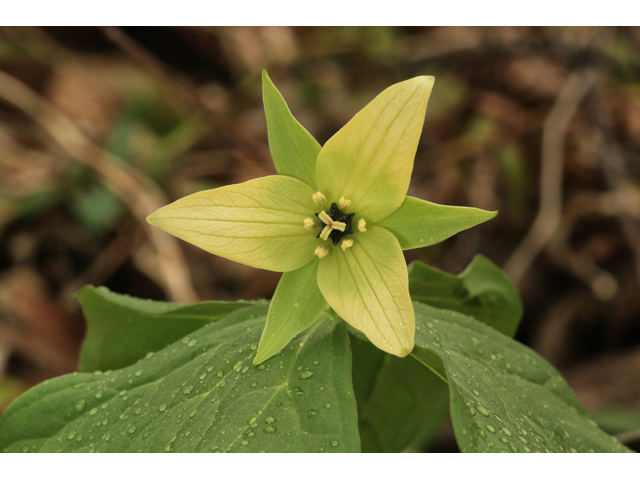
335 219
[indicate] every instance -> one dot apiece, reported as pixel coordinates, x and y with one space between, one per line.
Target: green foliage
481 291
293 149
504 397
418 223
296 304
401 404
121 329
200 394
181 378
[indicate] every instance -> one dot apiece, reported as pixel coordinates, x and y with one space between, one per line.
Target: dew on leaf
483 410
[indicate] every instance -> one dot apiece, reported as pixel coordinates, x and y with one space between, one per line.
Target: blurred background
99 127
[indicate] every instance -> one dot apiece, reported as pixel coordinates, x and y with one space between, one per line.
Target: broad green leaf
418 223
482 291
294 150
200 394
504 397
121 329
369 161
259 223
401 404
296 304
367 286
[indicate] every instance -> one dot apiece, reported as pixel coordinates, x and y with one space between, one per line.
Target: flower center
333 224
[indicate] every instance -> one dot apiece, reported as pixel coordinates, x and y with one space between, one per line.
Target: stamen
319 199
309 224
344 203
339 226
324 235
322 250
362 225
324 216
346 243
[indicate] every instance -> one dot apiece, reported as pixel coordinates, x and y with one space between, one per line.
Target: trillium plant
355 351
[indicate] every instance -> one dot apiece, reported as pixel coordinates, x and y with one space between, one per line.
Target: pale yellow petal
258 223
367 286
369 161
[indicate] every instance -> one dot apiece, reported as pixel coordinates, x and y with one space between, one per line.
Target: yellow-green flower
335 219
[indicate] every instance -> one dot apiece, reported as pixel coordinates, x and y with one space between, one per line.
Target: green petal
367 286
369 161
294 307
418 223
258 223
293 149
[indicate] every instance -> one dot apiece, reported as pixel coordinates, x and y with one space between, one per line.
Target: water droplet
123 393
132 429
99 394
245 369
506 431
481 409
137 411
327 405
138 373
261 367
296 304
193 414
93 411
307 374
269 420
80 405
254 385
71 435
269 429
192 343
149 355
187 390
245 442
490 428
311 413
162 407
105 422
335 443
220 374
476 392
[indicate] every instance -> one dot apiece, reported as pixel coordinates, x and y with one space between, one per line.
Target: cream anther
309 224
344 203
322 250
319 199
346 244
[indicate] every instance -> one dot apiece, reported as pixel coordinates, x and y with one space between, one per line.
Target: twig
137 191
551 176
255 149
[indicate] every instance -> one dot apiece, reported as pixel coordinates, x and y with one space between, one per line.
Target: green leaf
201 394
401 404
121 329
296 304
294 150
504 397
482 291
418 223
